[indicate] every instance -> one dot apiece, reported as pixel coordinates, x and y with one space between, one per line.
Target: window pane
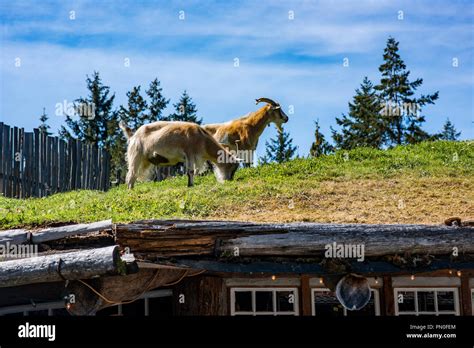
446 301
134 309
327 305
426 301
108 311
243 301
285 301
406 301
264 301
160 306
368 310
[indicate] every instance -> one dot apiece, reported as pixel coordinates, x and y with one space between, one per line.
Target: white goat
168 143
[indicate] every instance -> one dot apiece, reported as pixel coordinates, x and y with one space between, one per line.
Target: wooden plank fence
37 165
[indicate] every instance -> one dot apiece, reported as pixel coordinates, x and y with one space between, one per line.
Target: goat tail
127 131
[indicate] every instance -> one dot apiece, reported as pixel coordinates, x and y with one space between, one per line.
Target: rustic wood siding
203 295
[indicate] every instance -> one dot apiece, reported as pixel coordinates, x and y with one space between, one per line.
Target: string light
376 280
320 280
450 272
412 277
458 273
274 277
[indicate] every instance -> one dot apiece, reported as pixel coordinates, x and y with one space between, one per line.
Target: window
326 304
155 303
56 308
264 301
426 301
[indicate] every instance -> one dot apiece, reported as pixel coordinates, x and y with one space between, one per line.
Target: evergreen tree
449 132
402 111
157 101
363 126
96 121
185 110
279 149
320 146
44 127
134 114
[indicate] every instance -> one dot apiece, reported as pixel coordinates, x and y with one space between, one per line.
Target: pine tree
134 114
320 146
43 127
97 122
185 110
363 126
449 132
279 149
157 101
402 110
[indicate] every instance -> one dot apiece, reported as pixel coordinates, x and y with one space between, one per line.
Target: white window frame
253 290
375 293
433 289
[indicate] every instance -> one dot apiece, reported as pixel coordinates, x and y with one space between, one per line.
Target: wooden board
241 239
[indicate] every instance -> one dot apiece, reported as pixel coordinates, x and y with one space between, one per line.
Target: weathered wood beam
180 238
221 238
81 264
292 267
20 236
378 240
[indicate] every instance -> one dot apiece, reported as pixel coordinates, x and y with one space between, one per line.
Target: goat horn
266 100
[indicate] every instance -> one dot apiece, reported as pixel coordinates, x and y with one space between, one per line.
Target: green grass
250 190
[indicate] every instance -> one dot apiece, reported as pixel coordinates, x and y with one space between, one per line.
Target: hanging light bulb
412 277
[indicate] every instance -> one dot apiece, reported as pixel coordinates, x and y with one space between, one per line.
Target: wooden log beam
55 233
181 238
272 267
20 236
221 238
378 240
82 264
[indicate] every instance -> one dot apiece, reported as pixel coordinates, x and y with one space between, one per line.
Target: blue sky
298 62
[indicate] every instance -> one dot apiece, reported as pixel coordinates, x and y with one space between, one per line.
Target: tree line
382 115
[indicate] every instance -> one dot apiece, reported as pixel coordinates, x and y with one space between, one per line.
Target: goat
166 143
242 134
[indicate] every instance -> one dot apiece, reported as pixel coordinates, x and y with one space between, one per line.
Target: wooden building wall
201 295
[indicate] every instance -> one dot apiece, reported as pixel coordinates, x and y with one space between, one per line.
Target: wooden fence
36 165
